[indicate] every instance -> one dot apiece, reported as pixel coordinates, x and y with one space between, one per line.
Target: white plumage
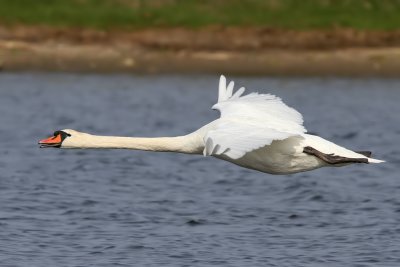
259 131
249 122
255 131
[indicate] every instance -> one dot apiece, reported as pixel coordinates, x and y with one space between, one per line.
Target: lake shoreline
244 51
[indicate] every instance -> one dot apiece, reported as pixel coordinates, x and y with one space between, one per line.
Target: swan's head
66 138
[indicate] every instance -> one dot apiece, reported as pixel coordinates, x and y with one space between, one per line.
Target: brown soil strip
212 50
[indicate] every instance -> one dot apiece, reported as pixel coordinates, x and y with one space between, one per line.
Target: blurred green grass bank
263 37
287 14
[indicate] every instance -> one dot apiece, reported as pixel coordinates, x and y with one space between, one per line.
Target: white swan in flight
255 131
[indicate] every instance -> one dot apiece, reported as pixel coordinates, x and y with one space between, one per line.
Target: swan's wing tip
226 90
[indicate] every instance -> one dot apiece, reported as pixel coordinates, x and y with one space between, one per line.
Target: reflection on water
125 208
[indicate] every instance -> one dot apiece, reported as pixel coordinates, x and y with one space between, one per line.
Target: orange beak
54 141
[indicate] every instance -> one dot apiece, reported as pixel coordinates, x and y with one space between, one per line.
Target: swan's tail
368 155
371 160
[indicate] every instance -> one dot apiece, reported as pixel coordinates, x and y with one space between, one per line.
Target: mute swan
255 131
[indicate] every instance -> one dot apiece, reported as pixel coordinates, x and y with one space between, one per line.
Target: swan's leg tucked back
331 158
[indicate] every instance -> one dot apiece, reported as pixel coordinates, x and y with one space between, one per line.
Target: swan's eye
63 134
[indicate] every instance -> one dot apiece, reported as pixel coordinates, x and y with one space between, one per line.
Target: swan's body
255 131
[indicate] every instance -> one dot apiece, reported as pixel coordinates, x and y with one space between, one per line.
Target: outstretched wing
249 122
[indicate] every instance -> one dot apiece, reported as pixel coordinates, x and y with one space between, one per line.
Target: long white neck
191 143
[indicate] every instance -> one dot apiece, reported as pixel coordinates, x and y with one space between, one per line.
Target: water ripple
132 208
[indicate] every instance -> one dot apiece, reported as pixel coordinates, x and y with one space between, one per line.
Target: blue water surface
134 208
